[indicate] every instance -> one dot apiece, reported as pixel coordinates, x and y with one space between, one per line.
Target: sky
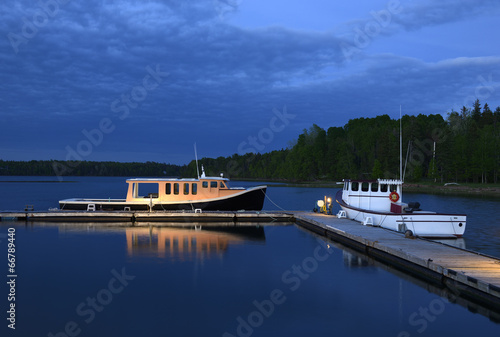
137 81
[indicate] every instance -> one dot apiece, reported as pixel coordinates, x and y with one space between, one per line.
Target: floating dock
465 273
145 216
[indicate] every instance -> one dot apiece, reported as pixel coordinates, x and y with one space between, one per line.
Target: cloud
223 80
409 15
421 14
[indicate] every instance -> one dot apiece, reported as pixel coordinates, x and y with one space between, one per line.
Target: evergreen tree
476 111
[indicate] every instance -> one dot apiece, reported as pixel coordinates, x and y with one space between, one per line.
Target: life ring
394 196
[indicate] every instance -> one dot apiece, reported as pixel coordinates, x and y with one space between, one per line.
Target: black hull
252 200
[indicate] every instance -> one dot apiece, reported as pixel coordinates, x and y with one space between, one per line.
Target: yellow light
329 200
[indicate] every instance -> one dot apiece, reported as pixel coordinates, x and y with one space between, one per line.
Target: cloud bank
167 74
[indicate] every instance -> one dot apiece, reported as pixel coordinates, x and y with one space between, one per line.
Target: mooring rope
281 208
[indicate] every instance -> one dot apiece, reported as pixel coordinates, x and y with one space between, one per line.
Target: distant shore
490 190
465 189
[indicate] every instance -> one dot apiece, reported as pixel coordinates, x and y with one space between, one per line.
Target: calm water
81 280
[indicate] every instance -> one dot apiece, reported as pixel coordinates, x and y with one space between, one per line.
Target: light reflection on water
188 244
173 241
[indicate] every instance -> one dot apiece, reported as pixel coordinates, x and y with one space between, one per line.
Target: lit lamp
328 209
323 206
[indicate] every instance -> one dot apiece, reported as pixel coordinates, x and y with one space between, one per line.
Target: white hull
424 224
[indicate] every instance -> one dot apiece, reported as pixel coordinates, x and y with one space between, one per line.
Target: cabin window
168 188
176 188
364 186
205 184
194 188
221 185
146 190
394 188
374 187
383 188
213 184
355 186
186 188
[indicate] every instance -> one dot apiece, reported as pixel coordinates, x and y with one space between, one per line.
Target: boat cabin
381 195
172 190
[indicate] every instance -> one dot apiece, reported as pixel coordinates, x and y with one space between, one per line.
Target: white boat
379 203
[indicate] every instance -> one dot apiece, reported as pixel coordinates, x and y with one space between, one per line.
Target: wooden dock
145 216
466 273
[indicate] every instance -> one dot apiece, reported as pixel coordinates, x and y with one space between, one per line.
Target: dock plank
145 216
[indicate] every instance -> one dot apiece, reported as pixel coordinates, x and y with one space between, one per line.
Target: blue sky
145 80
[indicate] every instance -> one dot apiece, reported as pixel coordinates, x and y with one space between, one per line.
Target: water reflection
354 260
189 243
179 241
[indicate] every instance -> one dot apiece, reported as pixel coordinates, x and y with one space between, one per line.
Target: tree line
464 147
87 168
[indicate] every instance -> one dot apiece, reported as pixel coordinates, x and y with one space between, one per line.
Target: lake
276 280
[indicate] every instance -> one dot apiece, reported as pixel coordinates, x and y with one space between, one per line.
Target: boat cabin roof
162 180
380 181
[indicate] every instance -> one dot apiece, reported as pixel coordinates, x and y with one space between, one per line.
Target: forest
87 168
464 147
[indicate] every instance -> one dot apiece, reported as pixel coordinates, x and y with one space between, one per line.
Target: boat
170 194
379 203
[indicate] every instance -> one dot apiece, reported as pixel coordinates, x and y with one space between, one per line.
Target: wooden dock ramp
466 273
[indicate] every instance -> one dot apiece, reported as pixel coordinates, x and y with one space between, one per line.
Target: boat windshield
146 190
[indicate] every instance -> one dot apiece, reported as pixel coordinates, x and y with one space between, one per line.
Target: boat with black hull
171 194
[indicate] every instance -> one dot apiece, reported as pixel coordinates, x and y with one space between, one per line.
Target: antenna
434 162
196 158
408 151
400 145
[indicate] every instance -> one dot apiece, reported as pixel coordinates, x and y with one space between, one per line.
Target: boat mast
196 158
400 146
434 162
408 151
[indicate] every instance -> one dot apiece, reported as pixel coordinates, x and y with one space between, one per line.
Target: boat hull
421 223
251 199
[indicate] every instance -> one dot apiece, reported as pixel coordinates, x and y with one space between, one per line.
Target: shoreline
490 191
